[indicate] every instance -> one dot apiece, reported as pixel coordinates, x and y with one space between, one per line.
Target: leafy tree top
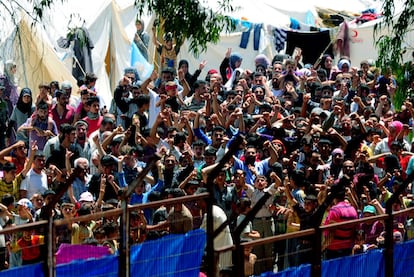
190 19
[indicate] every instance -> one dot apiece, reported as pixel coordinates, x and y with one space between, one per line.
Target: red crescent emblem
354 33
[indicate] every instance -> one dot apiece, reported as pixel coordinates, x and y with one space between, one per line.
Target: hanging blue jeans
256 36
245 35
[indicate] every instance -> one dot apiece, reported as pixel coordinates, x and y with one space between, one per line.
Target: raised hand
228 53
202 64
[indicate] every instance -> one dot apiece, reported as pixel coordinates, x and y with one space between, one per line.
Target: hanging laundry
294 24
280 36
82 49
342 40
246 34
311 43
256 36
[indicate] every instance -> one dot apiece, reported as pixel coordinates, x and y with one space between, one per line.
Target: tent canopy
111 27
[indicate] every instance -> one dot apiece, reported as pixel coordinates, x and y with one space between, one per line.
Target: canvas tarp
111 25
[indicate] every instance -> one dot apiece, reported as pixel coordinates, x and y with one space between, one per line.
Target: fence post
210 260
389 226
50 242
124 253
238 257
389 243
317 251
124 262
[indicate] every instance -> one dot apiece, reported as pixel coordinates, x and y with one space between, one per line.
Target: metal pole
389 226
316 261
124 249
210 259
389 243
124 262
50 248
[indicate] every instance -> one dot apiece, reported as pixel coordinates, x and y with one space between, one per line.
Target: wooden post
124 262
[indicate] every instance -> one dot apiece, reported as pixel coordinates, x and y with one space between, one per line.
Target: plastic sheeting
173 255
404 259
180 255
370 264
27 270
107 267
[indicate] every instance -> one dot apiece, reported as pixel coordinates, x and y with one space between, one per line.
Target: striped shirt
343 237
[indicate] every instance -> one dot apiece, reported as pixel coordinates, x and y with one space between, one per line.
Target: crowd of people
324 140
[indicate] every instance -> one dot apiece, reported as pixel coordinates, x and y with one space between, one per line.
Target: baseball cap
86 197
66 85
338 151
25 203
48 192
26 91
369 209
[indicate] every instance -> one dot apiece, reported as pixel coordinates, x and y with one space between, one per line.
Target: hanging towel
342 40
245 35
311 43
280 39
256 36
294 24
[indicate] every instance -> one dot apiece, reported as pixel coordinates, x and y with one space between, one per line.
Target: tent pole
22 55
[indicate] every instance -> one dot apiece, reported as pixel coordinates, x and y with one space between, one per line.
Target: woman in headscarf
141 38
395 132
191 79
10 84
23 110
326 63
228 66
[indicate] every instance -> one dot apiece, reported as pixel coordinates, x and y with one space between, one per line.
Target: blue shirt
261 168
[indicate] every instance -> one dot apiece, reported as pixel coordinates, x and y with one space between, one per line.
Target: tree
36 14
185 19
390 46
189 19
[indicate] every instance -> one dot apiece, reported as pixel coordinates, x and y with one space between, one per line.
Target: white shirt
255 195
34 183
223 239
153 109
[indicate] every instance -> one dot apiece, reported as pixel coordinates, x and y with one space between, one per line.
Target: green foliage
39 7
188 19
390 47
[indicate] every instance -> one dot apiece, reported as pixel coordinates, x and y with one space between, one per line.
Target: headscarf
234 57
342 62
261 59
7 71
23 107
142 25
398 129
182 62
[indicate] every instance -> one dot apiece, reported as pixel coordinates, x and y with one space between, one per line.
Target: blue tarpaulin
169 256
172 255
180 255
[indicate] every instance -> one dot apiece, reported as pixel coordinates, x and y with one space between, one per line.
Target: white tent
110 24
111 27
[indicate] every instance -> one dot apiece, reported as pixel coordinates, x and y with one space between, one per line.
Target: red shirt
403 162
342 237
19 166
67 116
30 248
94 124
